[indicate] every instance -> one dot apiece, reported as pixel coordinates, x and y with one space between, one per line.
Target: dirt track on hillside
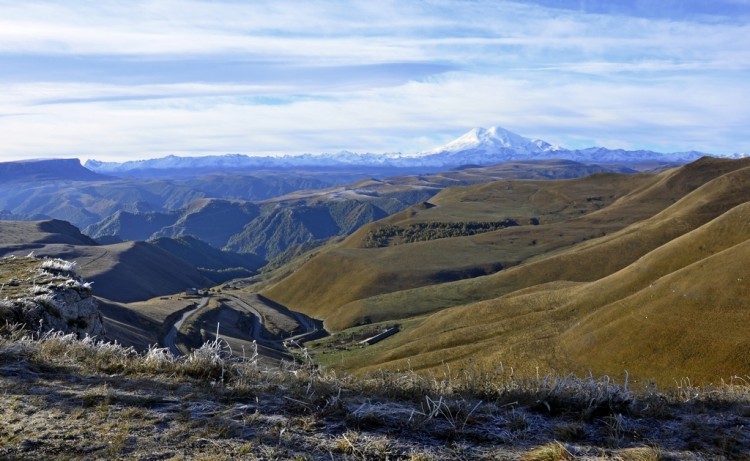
246 324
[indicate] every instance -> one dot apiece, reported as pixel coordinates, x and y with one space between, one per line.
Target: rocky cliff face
47 295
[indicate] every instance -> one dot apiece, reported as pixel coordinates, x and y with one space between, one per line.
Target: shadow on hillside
62 388
127 327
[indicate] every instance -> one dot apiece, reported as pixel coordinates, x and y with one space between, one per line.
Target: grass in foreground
68 398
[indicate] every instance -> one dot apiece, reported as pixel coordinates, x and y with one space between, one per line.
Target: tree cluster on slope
421 232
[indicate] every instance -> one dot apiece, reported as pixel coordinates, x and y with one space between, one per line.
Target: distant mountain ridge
479 146
272 227
265 229
35 195
47 169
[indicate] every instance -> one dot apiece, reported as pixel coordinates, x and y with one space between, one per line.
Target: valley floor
68 399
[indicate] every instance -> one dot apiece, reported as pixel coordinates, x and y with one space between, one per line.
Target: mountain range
479 146
271 227
63 189
206 223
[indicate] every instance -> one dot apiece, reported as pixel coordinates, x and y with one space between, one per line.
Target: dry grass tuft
639 454
551 452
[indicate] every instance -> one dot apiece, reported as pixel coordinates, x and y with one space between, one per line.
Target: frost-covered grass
29 283
58 266
208 362
85 398
92 399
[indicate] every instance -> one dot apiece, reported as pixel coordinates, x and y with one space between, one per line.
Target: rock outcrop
47 294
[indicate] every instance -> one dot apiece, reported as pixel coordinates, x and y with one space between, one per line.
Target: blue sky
117 80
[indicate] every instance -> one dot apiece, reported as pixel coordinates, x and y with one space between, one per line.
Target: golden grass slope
681 310
687 308
349 285
349 272
663 297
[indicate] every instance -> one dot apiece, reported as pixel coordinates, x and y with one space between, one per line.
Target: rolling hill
679 311
355 272
648 280
123 272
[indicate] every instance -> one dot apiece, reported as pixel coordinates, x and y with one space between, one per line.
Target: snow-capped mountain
481 146
495 138
477 147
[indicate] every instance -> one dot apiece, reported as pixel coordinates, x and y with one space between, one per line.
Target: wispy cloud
134 79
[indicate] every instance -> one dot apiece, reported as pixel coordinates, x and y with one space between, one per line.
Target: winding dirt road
171 336
269 345
259 307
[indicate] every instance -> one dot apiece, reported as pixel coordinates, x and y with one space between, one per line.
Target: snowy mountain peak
494 138
542 144
505 138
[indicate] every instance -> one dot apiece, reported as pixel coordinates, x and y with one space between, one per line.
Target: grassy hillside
679 311
585 262
687 300
353 272
577 306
